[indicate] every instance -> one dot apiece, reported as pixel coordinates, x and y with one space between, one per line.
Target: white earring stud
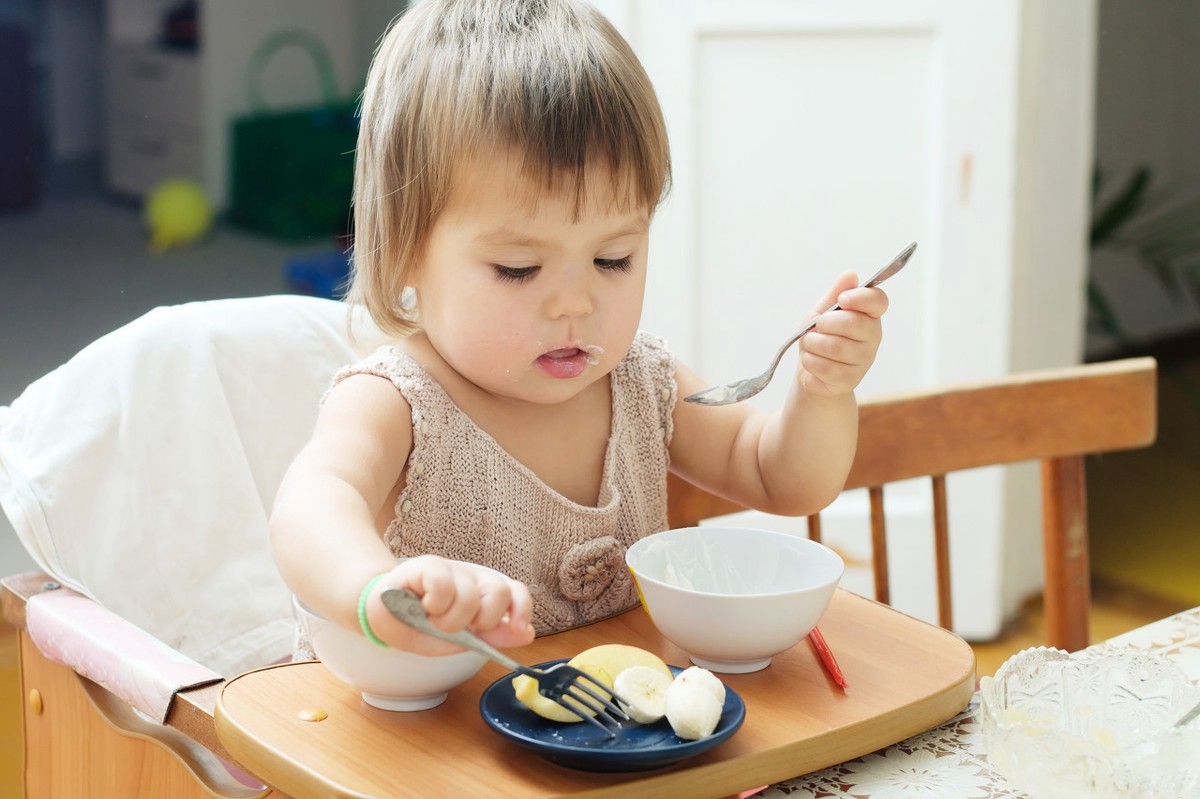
408 304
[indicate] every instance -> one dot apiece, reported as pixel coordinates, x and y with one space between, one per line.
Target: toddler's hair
455 79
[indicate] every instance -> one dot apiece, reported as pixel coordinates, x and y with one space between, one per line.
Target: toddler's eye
514 274
614 264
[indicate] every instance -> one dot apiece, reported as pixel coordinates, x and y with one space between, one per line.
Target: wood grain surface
904 676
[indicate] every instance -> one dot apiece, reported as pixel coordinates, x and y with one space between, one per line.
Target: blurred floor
1144 505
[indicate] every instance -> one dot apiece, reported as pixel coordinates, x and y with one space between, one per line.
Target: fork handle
406 606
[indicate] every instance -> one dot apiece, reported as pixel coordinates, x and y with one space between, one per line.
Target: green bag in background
292 171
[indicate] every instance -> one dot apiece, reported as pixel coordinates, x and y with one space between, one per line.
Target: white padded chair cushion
141 473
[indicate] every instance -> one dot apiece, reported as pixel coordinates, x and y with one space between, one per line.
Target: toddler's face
523 296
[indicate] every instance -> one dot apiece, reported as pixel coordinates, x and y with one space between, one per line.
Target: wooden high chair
83 741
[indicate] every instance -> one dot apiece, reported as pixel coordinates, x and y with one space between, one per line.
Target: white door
813 137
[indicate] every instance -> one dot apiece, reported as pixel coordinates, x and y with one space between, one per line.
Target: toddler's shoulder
388 361
649 350
648 375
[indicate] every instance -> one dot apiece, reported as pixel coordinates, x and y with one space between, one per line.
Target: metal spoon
739 390
1187 717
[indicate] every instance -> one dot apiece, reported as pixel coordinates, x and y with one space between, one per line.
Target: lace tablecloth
948 762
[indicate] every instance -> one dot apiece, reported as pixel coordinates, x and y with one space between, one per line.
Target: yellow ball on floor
177 212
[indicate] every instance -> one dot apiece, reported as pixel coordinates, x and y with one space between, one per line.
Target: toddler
510 159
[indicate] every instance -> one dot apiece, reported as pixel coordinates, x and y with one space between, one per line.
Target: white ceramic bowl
388 678
1095 724
732 597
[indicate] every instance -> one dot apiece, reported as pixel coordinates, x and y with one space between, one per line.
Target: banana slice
692 709
644 690
702 676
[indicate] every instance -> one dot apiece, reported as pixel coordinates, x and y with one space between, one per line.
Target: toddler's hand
836 354
455 595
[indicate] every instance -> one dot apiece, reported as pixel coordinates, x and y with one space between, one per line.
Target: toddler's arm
328 518
794 461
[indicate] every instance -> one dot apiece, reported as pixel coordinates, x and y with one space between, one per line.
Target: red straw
826 655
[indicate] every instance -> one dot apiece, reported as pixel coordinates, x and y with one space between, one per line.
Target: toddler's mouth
570 362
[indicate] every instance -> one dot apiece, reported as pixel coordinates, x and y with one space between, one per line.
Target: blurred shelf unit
168 109
153 125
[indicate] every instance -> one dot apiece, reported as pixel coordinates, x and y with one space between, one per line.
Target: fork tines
609 714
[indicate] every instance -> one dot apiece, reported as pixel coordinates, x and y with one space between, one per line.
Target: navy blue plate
637 747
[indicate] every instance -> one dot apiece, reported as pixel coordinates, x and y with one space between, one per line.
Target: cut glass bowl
1094 724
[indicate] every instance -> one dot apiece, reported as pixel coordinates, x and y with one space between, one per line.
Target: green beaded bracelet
362 610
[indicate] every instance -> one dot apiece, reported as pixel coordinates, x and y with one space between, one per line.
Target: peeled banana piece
691 702
694 703
692 710
702 676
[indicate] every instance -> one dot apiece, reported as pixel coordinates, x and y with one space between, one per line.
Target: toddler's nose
571 298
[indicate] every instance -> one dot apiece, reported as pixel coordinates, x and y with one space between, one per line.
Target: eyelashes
519 274
614 264
514 274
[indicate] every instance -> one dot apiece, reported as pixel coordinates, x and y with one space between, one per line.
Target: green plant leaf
1120 209
1103 315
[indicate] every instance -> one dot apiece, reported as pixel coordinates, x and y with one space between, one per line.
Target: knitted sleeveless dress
466 498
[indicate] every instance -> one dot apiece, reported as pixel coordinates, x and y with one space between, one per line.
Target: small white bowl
389 679
733 597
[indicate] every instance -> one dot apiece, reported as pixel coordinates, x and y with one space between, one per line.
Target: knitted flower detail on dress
589 567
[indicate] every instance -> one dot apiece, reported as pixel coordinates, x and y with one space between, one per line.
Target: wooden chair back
1057 417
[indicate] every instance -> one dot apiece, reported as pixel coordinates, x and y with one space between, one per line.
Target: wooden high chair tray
904 677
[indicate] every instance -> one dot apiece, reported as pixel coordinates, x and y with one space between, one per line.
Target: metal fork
560 683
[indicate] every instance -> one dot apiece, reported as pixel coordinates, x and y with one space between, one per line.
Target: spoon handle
406 606
1187 717
738 390
892 268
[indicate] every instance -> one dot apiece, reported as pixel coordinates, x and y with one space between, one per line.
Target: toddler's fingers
431 579
829 347
494 600
464 605
870 301
852 325
517 626
844 282
520 609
